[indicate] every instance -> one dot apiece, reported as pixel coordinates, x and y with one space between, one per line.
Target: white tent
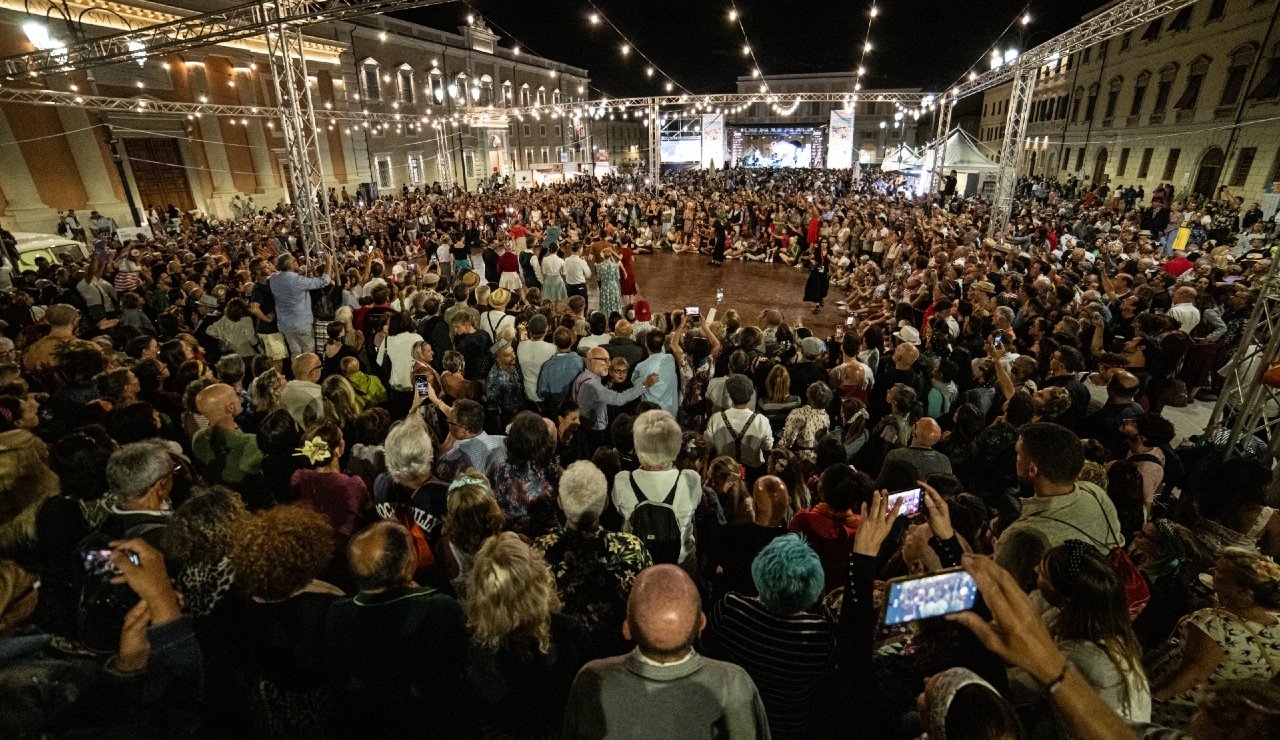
962 155
900 157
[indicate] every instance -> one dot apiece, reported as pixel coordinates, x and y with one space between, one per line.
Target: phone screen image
420 383
693 312
915 598
910 499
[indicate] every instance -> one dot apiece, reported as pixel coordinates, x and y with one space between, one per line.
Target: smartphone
693 313
910 499
849 321
420 383
997 340
719 295
912 598
369 248
435 258
98 562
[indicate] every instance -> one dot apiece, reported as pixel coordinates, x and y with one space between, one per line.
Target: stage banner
840 144
713 141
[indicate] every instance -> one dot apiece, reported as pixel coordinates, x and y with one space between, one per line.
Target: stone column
26 209
259 150
99 193
224 187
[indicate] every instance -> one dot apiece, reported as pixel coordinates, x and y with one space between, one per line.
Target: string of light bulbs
971 74
747 48
866 46
519 45
629 46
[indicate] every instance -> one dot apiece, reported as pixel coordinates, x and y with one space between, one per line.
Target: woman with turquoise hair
782 620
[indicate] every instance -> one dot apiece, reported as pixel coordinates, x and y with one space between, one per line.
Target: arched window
435 84
1168 73
1077 97
506 93
1140 92
555 96
1191 94
524 95
1092 104
486 90
404 79
542 95
458 91
1241 60
370 80
1113 94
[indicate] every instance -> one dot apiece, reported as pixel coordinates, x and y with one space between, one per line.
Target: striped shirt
786 657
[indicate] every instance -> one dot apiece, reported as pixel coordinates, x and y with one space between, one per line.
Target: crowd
427 484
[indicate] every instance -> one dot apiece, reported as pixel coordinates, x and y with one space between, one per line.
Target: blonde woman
525 653
266 391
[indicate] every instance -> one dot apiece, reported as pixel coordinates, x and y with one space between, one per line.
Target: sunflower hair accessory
315 450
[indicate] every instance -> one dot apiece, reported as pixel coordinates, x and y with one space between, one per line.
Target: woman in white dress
552 280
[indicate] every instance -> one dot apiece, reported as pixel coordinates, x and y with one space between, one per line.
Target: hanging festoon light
626 49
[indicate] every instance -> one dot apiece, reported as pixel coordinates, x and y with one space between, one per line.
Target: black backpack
655 523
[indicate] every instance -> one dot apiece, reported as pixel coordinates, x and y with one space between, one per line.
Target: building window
546 155
1171 164
1145 165
435 82
1194 80
555 96
1241 60
1125 40
1102 50
1167 75
1078 97
542 95
560 155
1181 21
1269 86
1123 163
528 157
384 172
1066 158
524 96
1216 10
1113 95
1153 30
1275 169
506 92
526 129
557 131
458 91
1088 52
1244 163
542 129
371 81
1092 104
1139 92
486 90
1080 159
415 168
468 163
404 81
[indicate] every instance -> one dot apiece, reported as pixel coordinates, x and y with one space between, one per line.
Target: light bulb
595 18
733 15
1026 19
626 49
746 49
874 11
649 71
866 46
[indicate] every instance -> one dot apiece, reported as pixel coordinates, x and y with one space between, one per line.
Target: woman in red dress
628 284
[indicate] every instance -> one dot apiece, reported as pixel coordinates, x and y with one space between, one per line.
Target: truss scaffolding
1247 408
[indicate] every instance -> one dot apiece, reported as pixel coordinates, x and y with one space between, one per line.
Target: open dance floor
669 281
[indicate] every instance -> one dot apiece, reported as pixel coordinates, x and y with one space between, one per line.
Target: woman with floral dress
526 483
608 275
807 425
1237 639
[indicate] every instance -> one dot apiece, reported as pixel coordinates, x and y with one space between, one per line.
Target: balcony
1131 121
1224 112
1185 116
1155 119
1106 122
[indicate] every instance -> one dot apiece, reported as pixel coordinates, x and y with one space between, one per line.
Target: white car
50 246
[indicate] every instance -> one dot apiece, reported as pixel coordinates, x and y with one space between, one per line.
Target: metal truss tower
1024 82
1245 402
655 145
940 143
298 121
444 157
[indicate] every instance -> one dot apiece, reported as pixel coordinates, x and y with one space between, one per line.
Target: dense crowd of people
457 477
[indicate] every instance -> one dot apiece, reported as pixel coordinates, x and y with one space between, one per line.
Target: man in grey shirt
920 455
594 399
663 688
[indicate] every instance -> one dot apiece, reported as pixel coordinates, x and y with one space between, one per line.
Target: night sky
915 43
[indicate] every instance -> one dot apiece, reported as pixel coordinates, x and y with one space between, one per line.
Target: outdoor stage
669 281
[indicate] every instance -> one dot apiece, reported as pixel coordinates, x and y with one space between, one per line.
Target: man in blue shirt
666 392
293 302
558 372
594 399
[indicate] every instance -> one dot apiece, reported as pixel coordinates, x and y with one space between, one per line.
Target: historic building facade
1190 99
53 158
